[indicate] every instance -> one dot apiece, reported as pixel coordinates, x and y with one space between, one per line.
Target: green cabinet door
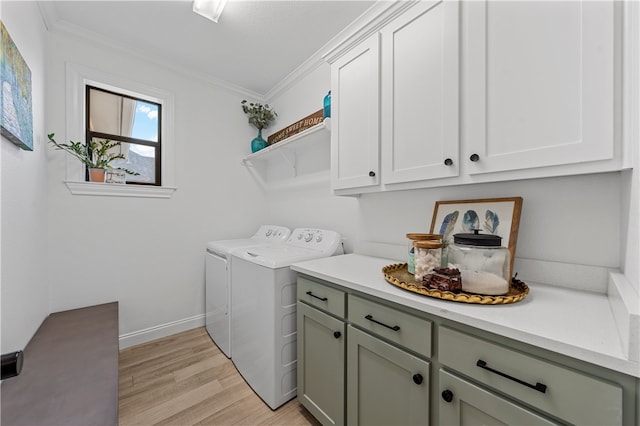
463 403
385 385
321 361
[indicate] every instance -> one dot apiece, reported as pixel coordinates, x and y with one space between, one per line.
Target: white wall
310 205
61 251
574 219
24 286
148 254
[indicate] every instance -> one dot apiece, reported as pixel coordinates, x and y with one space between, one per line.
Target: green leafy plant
259 115
95 155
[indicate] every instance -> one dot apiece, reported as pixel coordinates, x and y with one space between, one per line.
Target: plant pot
96 175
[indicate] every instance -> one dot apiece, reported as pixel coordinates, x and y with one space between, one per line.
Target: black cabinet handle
372 173
447 395
337 334
324 299
448 162
394 328
538 386
417 379
474 157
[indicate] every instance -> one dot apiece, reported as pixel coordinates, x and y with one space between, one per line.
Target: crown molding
366 24
381 14
54 24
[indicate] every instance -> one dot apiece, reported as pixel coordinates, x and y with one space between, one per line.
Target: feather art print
448 223
491 222
470 221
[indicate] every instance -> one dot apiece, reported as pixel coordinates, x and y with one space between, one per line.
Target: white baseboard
160 331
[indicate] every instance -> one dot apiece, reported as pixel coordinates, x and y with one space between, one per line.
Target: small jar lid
477 239
415 236
427 244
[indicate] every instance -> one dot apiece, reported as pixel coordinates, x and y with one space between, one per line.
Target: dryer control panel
323 240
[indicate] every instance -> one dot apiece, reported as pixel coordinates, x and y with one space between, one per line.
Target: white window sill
119 190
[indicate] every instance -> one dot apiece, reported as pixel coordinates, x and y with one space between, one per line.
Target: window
107 106
133 122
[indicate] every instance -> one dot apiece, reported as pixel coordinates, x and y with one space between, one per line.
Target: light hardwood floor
184 379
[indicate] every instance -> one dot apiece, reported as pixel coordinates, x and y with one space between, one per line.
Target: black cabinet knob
372 173
474 157
417 379
447 395
448 162
337 334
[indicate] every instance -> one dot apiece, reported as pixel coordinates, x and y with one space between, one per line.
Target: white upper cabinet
355 110
539 84
419 121
447 92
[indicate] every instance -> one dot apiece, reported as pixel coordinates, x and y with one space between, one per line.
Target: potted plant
96 156
260 116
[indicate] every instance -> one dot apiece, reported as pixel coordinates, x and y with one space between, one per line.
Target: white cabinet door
355 138
420 93
539 83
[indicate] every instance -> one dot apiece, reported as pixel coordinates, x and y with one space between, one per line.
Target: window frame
78 77
156 145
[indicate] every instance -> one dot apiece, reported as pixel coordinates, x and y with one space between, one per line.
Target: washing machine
263 301
218 280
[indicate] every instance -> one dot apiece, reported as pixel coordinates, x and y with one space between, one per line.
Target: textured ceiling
255 44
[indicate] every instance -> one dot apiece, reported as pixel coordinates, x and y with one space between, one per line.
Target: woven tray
398 275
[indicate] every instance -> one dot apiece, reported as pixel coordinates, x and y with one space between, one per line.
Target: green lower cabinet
385 385
463 403
321 362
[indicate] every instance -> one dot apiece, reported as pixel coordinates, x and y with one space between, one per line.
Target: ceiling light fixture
210 9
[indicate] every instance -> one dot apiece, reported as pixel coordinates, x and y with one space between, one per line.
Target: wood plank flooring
185 379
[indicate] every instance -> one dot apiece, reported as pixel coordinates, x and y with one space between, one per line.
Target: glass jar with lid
412 237
483 263
428 255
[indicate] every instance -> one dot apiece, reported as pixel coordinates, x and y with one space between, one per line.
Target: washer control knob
309 237
269 232
318 238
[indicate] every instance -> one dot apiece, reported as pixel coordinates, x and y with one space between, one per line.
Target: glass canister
483 263
428 255
412 237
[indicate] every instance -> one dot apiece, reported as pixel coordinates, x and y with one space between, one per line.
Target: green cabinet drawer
462 403
400 327
562 392
323 297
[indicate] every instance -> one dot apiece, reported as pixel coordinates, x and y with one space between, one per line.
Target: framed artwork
17 111
496 216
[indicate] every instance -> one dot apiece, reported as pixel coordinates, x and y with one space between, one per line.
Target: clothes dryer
218 279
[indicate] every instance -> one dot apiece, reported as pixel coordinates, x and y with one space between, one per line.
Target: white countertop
573 323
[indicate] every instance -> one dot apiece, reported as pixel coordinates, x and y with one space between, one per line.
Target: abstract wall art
15 76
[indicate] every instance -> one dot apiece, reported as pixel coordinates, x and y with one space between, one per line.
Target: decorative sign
297 127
